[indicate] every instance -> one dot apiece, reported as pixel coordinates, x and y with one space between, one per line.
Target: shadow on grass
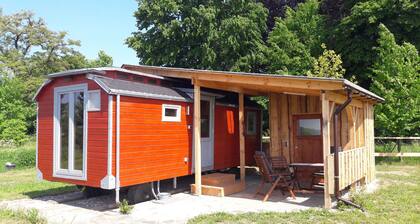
50 191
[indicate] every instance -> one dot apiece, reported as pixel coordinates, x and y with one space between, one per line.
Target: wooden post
241 137
197 137
326 148
274 125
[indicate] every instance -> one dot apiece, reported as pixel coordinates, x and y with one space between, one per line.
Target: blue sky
99 25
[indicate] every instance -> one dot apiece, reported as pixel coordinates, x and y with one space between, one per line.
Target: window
205 118
70 116
309 127
251 123
94 101
171 112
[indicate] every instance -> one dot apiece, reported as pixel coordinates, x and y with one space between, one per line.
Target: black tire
139 193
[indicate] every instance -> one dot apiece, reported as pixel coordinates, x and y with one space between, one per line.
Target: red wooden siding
226 138
97 133
151 149
154 150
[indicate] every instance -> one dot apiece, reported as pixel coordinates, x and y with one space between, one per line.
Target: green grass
397 201
22 183
390 147
21 216
23 156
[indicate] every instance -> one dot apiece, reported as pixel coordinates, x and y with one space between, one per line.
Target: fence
397 146
353 166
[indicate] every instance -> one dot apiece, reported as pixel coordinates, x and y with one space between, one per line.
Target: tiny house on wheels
113 128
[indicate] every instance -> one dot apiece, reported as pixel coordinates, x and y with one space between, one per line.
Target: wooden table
304 165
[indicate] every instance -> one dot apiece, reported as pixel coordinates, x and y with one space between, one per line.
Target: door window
309 127
205 119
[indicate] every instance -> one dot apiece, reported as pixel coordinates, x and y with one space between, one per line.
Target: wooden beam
340 99
274 125
241 78
325 104
251 89
241 137
197 137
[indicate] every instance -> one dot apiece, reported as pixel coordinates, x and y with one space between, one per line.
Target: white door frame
211 99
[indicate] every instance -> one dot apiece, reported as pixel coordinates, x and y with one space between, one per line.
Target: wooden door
307 132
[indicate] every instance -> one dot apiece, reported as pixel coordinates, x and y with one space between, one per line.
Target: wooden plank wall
282 107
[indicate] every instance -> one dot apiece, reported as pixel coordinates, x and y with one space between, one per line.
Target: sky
99 25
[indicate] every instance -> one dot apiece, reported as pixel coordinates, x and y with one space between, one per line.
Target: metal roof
101 71
343 82
138 89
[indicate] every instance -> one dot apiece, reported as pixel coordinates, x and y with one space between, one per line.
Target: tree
28 52
219 35
328 65
103 60
28 48
14 111
396 77
295 40
356 35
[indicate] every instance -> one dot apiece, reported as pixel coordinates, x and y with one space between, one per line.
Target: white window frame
98 91
254 117
177 118
69 173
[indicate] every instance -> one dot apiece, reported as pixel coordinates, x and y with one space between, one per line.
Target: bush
125 208
13 130
23 156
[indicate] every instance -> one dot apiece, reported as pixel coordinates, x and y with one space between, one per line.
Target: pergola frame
330 91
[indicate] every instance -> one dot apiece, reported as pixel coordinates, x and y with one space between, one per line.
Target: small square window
171 112
94 101
251 123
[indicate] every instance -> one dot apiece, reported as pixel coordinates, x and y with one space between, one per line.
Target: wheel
139 193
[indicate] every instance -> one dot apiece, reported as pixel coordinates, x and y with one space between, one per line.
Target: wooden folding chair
280 165
276 180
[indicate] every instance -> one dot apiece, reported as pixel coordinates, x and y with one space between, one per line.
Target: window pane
309 127
251 121
64 131
94 101
205 119
170 112
78 130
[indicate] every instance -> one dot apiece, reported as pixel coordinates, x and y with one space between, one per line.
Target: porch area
311 121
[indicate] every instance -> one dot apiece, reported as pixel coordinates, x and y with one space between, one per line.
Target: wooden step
219 191
218 179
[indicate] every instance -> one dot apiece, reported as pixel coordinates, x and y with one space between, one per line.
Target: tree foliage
356 34
396 77
217 35
329 64
28 52
15 112
296 40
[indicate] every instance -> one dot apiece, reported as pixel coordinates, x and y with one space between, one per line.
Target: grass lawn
22 183
397 201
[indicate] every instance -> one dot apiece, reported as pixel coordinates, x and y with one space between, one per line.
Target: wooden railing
353 166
